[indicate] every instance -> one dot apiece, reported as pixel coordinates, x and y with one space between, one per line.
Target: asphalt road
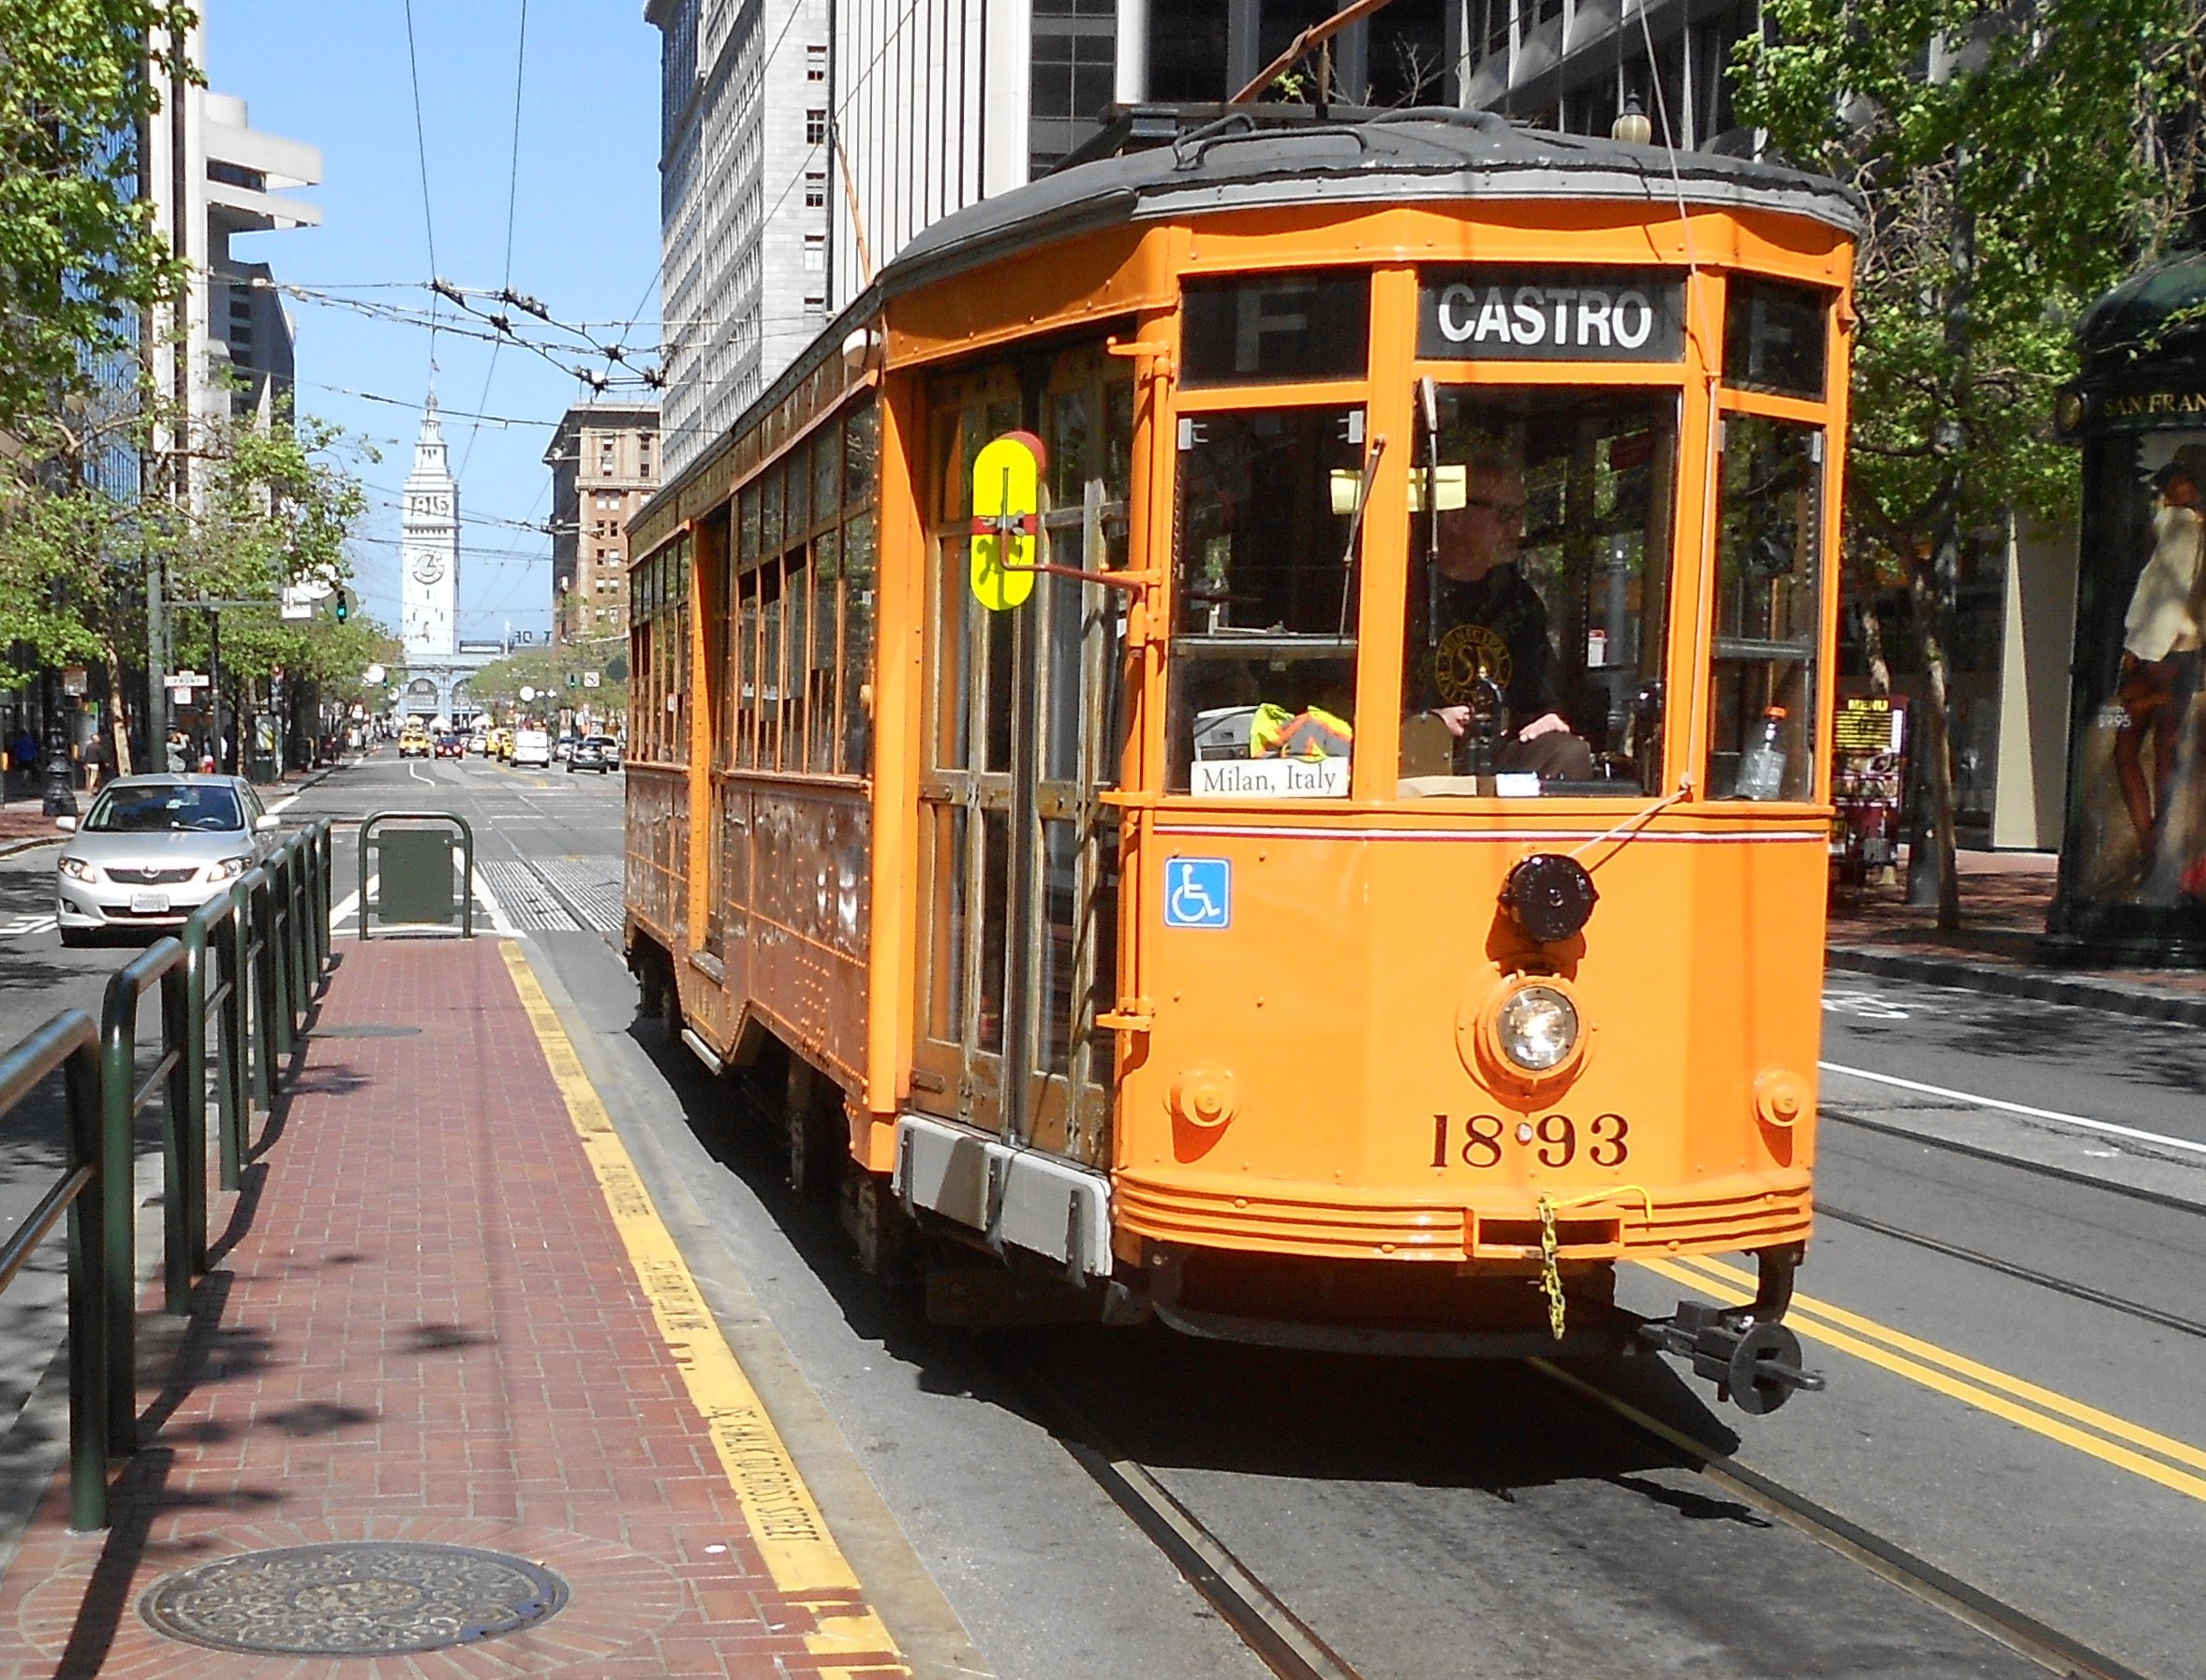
2014 1360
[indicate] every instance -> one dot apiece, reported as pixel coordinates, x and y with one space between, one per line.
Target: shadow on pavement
1168 1400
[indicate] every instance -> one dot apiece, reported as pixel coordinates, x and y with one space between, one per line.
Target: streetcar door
1019 853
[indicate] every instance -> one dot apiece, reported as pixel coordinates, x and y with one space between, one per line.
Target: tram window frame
1631 734
1275 648
1775 332
799 669
1791 668
1335 349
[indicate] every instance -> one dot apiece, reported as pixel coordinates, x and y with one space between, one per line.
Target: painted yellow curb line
785 1522
1993 1391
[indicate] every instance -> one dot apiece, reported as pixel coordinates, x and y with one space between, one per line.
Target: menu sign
1550 315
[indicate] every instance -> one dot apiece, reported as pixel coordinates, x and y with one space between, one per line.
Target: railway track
2011 1626
2036 1169
1291 1649
1991 1262
1279 1639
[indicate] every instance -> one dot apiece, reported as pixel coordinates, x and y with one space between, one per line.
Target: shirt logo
1466 655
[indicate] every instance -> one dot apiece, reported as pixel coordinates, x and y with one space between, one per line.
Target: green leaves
79 252
2017 160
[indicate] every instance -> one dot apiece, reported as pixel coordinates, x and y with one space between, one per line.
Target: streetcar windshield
1534 630
1265 639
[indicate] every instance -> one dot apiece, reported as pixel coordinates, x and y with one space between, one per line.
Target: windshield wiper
1356 525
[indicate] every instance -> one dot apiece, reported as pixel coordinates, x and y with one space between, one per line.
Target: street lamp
1631 125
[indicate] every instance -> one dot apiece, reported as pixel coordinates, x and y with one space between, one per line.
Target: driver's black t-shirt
1496 627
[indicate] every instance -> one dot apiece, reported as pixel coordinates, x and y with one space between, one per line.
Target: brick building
606 460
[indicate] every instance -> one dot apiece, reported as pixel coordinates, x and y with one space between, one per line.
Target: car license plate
149 904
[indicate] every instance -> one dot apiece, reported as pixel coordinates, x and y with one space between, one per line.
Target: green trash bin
416 867
415 879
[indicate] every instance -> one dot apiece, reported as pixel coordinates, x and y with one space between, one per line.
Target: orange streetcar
1248 732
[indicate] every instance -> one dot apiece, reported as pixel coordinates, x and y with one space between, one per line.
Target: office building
605 462
743 115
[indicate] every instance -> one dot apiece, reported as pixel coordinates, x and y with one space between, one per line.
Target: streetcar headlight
1536 1027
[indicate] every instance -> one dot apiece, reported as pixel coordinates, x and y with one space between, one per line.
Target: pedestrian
96 758
22 758
179 753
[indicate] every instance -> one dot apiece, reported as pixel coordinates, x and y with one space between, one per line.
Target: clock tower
429 548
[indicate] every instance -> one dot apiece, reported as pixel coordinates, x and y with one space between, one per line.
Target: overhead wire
512 199
413 67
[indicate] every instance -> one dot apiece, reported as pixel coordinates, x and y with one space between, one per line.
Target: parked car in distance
562 746
478 742
154 848
501 743
413 743
450 746
531 746
600 753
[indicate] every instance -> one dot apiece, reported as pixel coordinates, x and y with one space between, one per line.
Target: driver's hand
1548 723
1458 718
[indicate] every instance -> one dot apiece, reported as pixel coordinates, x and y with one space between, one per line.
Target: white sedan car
154 848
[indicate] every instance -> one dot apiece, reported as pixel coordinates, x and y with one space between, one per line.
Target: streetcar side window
1768 610
1536 615
1267 582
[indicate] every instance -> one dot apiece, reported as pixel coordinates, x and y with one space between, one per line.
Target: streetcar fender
1018 1197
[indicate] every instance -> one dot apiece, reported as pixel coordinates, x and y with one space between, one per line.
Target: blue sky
586 238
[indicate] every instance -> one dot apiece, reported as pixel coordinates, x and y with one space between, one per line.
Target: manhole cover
368 1598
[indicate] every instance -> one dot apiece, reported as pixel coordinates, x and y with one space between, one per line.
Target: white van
532 746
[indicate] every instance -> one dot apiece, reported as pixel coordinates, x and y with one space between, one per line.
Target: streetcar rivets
1524 1132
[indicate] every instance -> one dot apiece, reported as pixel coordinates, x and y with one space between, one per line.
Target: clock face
428 568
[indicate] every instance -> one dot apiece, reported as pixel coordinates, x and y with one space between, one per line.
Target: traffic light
343 607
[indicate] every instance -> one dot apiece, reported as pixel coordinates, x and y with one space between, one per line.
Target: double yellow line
2101 1434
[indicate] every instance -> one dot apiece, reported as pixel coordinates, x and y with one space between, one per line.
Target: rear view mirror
64 822
263 824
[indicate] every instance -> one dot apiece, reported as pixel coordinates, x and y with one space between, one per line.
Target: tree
556 674
73 546
80 253
279 502
2017 159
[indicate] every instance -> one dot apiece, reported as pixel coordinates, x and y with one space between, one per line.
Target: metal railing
244 971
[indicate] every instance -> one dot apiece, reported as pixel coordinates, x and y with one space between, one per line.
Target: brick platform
426 1327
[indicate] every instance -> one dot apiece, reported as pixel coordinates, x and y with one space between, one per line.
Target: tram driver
1486 635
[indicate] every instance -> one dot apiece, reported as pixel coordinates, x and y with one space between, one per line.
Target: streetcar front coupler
1750 1357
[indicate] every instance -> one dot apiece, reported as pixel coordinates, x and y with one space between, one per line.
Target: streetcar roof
1422 155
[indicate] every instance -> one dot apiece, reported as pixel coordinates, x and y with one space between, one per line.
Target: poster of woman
2143 784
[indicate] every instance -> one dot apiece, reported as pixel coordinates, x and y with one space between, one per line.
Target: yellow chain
1551 1274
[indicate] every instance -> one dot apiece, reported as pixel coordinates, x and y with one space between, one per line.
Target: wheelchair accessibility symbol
1198 893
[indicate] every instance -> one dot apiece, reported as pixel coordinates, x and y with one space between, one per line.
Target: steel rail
16 1251
71 1044
2043 1169
1279 1639
2012 1626
2151 1315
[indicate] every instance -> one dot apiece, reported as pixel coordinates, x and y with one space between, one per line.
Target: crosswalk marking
29 924
526 901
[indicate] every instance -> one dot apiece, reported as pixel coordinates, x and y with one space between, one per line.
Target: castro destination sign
1550 315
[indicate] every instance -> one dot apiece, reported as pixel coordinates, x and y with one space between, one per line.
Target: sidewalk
2003 899
445 1313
